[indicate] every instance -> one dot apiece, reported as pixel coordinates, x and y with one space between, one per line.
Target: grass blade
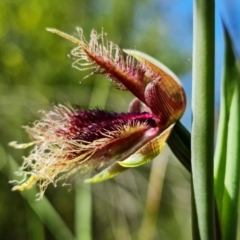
226 99
227 172
232 177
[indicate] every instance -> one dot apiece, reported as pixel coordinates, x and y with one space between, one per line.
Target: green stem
228 183
232 177
203 118
179 142
227 156
227 89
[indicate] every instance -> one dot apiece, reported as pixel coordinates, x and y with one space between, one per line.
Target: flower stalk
203 119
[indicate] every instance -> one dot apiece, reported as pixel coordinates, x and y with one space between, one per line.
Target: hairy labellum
67 140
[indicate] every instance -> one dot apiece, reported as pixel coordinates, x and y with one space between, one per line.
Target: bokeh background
36 73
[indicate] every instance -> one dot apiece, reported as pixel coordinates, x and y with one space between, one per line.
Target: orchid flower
67 140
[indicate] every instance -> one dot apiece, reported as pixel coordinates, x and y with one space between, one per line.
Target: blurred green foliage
35 72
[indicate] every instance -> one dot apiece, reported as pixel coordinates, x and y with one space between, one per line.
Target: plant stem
203 118
228 183
179 142
227 90
232 176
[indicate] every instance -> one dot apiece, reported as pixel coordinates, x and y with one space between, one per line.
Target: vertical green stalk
232 176
227 89
221 145
227 168
203 118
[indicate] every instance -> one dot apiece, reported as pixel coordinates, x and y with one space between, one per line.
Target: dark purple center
92 124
